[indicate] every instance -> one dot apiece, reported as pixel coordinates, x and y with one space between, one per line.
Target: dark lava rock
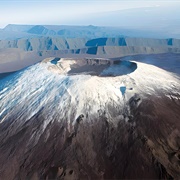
97 149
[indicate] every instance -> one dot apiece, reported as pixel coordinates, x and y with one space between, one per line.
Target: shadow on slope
167 61
101 67
7 79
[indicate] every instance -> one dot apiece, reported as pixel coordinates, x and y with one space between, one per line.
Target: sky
66 12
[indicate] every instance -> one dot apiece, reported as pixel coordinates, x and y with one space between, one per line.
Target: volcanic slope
89 119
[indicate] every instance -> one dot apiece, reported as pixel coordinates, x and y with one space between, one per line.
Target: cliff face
28 51
146 42
43 43
56 43
120 121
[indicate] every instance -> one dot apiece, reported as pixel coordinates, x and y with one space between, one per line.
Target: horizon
80 13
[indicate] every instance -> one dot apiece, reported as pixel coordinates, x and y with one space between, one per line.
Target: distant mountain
146 17
60 31
18 27
12 31
41 30
40 42
148 20
14 35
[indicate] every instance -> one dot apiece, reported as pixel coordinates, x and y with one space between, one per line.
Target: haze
85 12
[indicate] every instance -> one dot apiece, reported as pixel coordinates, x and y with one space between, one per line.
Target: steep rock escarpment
58 43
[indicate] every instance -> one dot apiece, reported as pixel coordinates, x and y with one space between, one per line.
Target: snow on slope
66 97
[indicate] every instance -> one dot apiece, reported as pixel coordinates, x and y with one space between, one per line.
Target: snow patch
64 98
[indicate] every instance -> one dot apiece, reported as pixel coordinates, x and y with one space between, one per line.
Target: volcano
90 119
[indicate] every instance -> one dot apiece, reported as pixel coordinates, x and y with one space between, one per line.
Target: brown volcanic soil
145 147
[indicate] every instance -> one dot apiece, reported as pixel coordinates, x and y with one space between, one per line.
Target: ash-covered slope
89 119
